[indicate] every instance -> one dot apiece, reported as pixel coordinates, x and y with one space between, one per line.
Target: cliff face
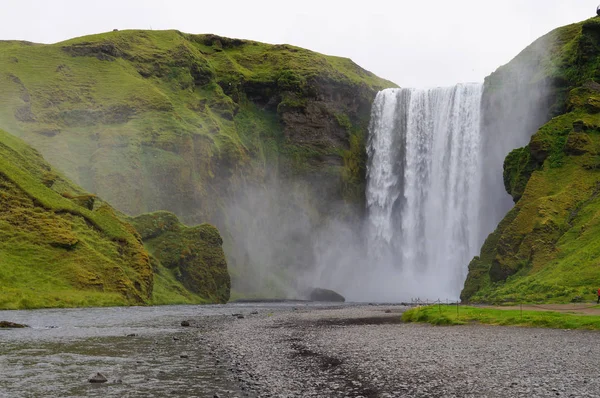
162 120
545 248
63 247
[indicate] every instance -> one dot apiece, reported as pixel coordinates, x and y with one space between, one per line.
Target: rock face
326 295
544 249
192 255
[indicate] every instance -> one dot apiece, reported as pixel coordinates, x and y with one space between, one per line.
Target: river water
63 348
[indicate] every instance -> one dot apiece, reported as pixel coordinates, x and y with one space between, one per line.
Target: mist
294 235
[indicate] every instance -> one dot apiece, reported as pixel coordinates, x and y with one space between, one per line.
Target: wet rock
185 323
319 294
98 378
131 335
11 325
184 356
240 317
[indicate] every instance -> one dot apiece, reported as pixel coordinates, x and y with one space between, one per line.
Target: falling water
423 187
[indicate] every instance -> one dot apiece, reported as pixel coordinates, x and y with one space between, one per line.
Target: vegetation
546 248
447 315
188 256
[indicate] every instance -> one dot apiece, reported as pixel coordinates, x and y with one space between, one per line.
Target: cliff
192 124
545 248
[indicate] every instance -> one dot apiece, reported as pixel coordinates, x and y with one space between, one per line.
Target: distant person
598 11
598 302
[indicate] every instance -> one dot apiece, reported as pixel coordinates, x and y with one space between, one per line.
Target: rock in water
98 378
185 323
326 295
11 325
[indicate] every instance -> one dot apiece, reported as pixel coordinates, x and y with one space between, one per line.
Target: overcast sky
414 43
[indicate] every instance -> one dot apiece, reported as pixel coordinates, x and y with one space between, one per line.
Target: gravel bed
367 352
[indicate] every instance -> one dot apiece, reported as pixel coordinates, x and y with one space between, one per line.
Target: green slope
62 247
547 247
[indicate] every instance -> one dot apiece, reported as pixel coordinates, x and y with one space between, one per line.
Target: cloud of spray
291 236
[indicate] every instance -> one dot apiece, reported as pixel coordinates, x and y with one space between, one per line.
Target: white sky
414 43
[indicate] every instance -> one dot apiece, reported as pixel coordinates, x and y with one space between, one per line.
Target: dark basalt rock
11 325
319 294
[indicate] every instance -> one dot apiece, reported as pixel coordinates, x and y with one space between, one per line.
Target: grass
447 315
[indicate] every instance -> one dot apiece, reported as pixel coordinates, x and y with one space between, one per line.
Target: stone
319 294
185 323
98 378
11 325
184 356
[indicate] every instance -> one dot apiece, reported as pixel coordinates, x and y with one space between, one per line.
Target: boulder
319 294
98 378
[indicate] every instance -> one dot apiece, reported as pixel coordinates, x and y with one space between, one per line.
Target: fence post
456 309
439 306
521 310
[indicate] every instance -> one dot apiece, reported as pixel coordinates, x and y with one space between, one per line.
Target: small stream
142 351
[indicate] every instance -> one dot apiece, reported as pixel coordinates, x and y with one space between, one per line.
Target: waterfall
424 188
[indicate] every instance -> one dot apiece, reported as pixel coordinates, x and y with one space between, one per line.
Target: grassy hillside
62 247
547 246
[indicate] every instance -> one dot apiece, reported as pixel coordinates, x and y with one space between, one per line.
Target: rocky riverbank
367 352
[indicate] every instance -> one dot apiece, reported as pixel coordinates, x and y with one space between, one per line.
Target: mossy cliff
547 246
193 255
63 247
191 124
